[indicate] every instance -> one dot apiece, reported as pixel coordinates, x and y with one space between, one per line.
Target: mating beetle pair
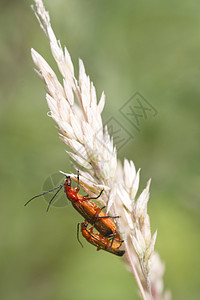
108 237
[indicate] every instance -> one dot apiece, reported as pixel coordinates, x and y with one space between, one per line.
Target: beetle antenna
54 196
78 178
78 228
43 194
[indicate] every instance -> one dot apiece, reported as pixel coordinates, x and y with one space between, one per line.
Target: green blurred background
152 47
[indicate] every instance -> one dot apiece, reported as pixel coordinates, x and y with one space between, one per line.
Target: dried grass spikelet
74 107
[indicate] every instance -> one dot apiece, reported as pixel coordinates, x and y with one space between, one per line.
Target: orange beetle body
90 211
101 242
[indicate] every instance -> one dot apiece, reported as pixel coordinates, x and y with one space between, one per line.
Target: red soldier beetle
92 213
99 241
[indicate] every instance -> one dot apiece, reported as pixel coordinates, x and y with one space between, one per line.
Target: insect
99 240
92 213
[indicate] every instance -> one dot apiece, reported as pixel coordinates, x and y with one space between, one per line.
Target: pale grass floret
74 107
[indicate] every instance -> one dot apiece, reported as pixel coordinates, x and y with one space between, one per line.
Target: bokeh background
151 47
